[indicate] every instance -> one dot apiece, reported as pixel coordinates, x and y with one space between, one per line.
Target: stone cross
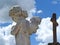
55 24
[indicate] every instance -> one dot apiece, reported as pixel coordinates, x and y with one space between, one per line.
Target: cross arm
53 19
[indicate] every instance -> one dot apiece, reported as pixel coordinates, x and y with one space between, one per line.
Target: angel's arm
15 30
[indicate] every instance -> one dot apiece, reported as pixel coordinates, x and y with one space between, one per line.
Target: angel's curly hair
17 11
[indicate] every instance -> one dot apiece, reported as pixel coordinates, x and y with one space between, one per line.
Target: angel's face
16 13
15 18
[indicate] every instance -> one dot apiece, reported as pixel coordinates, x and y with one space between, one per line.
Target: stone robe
22 31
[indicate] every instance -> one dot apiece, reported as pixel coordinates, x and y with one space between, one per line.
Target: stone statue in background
23 28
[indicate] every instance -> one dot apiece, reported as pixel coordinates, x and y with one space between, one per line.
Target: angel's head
16 12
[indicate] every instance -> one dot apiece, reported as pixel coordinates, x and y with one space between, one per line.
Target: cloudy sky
42 8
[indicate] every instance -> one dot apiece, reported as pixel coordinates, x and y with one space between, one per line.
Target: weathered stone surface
23 28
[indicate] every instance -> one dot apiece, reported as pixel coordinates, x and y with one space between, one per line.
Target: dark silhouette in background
55 24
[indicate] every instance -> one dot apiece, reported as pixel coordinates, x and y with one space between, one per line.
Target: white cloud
54 2
31 12
5 6
44 33
5 36
39 11
27 4
4 15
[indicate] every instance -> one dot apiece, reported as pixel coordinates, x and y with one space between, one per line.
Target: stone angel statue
23 28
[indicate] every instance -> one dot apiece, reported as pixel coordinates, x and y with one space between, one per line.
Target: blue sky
47 8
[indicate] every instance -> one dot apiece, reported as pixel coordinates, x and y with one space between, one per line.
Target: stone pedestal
54 44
